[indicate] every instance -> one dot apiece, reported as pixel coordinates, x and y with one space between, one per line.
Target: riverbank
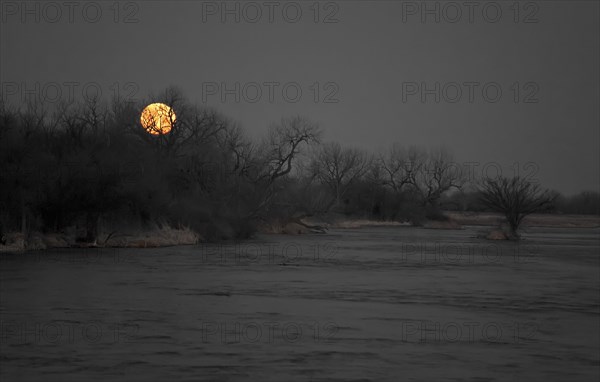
534 220
166 236
456 220
160 237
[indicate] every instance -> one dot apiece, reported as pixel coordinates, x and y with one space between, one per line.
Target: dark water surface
395 304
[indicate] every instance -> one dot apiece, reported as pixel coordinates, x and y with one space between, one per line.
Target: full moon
158 118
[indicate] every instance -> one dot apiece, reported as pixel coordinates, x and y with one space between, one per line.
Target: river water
380 304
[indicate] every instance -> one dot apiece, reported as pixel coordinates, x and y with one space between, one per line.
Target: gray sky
374 58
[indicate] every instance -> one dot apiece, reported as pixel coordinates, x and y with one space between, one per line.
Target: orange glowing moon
158 118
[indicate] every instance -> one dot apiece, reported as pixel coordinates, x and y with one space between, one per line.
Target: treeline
582 203
84 164
92 166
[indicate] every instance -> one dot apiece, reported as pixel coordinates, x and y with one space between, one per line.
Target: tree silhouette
339 168
515 198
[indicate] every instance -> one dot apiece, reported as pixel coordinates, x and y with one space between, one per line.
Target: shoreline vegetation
98 173
166 236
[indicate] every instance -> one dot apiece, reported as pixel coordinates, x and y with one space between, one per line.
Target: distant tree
283 144
584 203
434 174
340 167
268 164
400 166
515 198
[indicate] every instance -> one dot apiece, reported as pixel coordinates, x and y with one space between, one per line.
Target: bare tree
273 158
283 144
339 167
239 149
515 198
435 173
400 166
94 114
